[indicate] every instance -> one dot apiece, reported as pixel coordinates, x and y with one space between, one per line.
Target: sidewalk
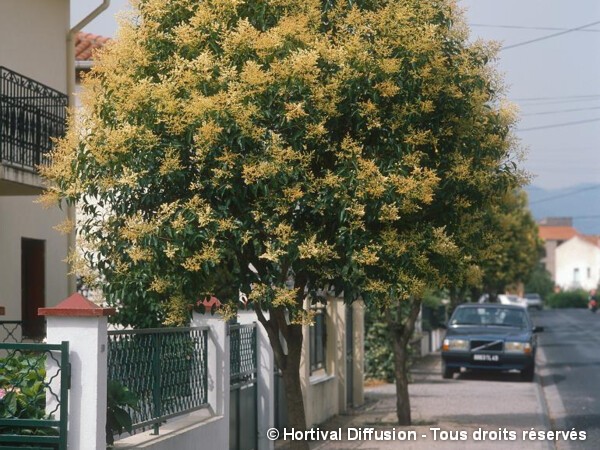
469 404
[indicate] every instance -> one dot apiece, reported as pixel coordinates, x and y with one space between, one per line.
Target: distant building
557 221
571 258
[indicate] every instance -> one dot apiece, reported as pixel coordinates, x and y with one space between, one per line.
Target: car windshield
507 317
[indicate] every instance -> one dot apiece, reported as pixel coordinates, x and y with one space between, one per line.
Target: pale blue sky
554 81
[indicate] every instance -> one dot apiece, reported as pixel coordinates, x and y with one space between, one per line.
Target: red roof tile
592 239
552 233
86 43
76 306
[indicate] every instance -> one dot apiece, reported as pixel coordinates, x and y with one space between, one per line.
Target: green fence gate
34 399
243 423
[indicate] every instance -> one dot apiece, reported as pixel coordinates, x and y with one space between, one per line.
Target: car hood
489 332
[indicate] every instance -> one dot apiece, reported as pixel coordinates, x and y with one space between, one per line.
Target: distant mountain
581 202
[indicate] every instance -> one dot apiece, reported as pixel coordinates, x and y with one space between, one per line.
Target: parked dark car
490 337
534 301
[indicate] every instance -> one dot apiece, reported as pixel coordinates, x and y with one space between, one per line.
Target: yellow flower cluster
367 255
317 251
159 285
209 253
136 227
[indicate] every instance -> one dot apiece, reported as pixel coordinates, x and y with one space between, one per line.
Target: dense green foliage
434 310
228 147
379 354
540 282
577 298
119 401
514 252
23 392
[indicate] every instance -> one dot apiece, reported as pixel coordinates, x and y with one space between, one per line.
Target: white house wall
33 36
21 218
325 390
579 254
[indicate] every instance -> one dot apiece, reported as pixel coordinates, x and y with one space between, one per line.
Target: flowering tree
516 249
280 147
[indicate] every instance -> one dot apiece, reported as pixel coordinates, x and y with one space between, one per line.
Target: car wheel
527 374
447 372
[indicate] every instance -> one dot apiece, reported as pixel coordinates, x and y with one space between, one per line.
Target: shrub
577 298
23 392
118 419
379 354
540 282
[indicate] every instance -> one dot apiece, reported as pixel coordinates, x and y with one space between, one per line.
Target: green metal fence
166 368
242 353
11 331
34 384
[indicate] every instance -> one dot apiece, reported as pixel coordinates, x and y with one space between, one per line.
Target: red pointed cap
76 306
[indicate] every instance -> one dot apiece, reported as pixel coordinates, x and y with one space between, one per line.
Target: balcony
31 115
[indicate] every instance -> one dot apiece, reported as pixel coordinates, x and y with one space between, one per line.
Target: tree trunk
402 328
401 373
295 407
289 364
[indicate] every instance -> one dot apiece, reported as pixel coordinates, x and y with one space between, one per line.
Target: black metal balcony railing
31 115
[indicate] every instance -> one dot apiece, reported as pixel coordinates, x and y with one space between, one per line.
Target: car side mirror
538 329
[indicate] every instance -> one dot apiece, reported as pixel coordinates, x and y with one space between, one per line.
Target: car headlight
517 347
455 344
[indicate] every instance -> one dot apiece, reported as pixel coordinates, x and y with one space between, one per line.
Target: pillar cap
77 306
207 305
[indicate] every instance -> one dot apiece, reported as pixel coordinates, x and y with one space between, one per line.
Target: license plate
486 358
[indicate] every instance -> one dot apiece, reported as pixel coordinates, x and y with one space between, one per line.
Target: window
318 341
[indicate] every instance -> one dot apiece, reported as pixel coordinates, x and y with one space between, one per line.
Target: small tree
516 248
279 148
540 281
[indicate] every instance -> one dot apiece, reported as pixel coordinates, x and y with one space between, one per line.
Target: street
563 397
569 374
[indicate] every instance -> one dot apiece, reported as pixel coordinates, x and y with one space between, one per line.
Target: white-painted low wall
204 429
208 428
194 431
436 337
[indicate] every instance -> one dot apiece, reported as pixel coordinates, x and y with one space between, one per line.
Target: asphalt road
569 370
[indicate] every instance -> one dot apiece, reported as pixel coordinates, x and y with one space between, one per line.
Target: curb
544 391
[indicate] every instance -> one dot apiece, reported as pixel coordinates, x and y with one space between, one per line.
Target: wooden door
33 287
